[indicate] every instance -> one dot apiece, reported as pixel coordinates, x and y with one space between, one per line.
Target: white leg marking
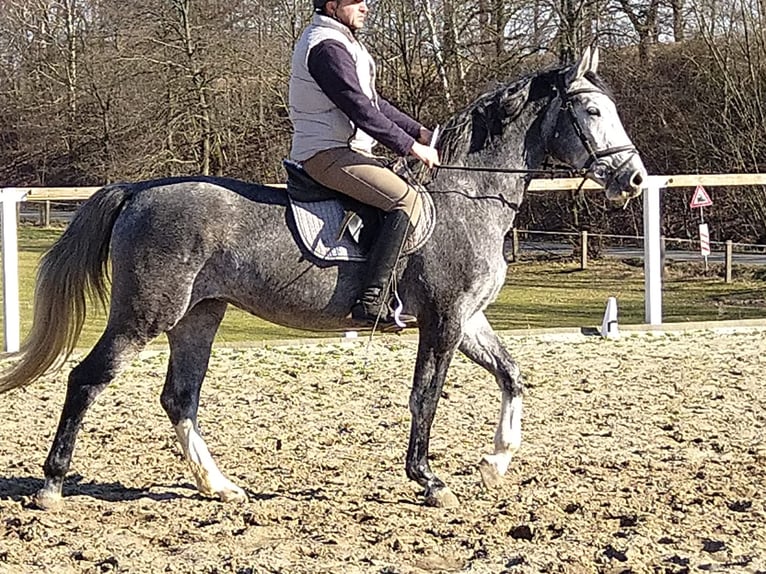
210 480
507 435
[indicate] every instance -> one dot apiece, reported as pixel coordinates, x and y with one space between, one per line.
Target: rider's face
352 13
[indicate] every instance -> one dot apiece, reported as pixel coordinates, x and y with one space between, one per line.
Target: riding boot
371 307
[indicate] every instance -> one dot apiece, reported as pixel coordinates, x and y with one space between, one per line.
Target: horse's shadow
20 488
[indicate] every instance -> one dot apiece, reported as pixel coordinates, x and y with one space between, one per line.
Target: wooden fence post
583 250
729 258
44 208
515 245
10 198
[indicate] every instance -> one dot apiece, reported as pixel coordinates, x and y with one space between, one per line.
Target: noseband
594 154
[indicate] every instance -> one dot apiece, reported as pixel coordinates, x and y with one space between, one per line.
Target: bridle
594 154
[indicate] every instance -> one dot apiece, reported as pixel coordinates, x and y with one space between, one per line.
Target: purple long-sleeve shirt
334 70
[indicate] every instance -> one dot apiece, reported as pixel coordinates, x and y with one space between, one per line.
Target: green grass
536 294
559 294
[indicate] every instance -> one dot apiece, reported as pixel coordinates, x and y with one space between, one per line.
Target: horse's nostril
637 179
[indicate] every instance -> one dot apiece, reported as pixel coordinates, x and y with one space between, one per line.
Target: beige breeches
365 179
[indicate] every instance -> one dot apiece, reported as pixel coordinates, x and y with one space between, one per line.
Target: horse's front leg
481 345
435 352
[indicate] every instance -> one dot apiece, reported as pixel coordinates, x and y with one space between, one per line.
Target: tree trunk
677 7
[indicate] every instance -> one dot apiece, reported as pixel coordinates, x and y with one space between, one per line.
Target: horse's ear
593 60
587 63
583 65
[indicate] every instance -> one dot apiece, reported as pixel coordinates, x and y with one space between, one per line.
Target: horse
183 249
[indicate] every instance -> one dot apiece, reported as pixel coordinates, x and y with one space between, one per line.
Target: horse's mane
473 128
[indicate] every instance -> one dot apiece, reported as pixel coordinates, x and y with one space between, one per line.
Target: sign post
704 241
701 199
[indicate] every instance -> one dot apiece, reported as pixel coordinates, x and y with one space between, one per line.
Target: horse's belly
292 293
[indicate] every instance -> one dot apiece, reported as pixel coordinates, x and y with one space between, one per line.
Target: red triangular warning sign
700 198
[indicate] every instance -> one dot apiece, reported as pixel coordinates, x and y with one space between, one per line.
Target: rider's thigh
364 178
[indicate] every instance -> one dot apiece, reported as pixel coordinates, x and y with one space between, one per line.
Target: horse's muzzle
627 180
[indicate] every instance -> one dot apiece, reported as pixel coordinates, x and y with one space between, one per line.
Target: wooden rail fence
11 196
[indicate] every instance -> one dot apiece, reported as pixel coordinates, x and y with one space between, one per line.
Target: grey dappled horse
183 249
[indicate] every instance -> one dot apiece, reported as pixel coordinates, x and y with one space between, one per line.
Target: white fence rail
11 196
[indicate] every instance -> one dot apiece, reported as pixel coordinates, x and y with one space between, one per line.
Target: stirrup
402 321
381 317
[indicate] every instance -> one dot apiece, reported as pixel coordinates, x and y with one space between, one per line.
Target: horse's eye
593 111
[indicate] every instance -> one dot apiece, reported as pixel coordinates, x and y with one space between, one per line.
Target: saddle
334 227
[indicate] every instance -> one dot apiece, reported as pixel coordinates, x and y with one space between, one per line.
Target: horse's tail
74 269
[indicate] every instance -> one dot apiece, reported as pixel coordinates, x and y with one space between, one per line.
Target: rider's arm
334 70
409 125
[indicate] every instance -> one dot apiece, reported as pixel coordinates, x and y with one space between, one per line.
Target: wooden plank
562 184
690 180
57 193
712 179
72 193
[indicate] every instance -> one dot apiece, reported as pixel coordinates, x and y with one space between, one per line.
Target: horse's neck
486 200
520 148
534 145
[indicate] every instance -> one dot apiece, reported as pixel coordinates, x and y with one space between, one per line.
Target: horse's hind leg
190 343
481 345
86 381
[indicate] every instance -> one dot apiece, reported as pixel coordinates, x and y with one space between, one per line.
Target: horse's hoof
442 498
233 495
490 477
45 500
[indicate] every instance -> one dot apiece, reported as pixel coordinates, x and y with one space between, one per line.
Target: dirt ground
643 454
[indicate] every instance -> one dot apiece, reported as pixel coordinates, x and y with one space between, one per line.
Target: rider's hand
426 154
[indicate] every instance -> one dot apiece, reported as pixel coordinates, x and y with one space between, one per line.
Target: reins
568 172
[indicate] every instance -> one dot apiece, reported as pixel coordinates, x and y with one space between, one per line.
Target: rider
337 118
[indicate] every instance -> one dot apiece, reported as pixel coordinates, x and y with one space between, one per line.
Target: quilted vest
318 124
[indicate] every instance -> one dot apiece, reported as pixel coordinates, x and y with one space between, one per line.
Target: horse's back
202 203
184 241
202 211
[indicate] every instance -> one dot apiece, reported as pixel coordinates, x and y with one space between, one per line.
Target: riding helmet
319 5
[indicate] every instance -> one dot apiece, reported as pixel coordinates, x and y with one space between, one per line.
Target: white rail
11 315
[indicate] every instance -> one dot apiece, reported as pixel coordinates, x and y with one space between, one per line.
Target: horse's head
581 128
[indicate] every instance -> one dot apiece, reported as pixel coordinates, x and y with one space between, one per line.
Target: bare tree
643 16
679 20
436 46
